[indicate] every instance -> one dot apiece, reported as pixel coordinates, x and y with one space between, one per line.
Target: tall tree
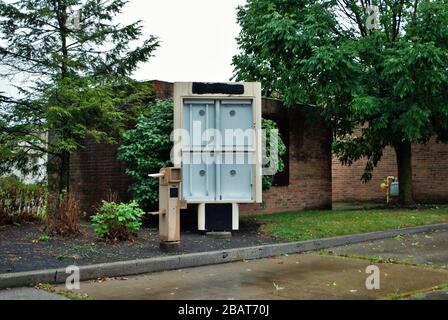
383 70
73 63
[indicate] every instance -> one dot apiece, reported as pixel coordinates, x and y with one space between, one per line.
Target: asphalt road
301 276
305 276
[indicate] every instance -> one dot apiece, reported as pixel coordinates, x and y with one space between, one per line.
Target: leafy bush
146 148
268 125
63 216
20 201
117 221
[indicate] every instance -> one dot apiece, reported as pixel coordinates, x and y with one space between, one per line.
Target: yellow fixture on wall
391 186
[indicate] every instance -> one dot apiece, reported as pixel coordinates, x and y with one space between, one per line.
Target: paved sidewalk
423 248
28 294
436 295
304 276
430 248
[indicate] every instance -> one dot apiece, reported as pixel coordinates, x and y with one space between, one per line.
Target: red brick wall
95 172
163 90
430 172
309 164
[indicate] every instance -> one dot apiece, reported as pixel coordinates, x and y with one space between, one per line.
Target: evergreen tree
74 65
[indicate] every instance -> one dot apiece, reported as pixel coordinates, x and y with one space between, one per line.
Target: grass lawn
306 225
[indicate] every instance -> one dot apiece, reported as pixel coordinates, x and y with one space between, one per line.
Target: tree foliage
71 79
377 87
269 127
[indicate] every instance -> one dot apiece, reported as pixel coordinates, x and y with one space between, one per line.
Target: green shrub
20 201
45 238
117 221
268 125
146 148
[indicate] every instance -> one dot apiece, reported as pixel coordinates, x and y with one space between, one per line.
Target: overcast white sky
197 38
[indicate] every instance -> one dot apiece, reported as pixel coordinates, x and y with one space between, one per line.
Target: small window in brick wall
281 179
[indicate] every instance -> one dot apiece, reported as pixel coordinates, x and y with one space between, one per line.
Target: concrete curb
134 267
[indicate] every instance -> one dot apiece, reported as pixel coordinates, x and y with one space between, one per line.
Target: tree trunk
64 173
58 176
404 162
